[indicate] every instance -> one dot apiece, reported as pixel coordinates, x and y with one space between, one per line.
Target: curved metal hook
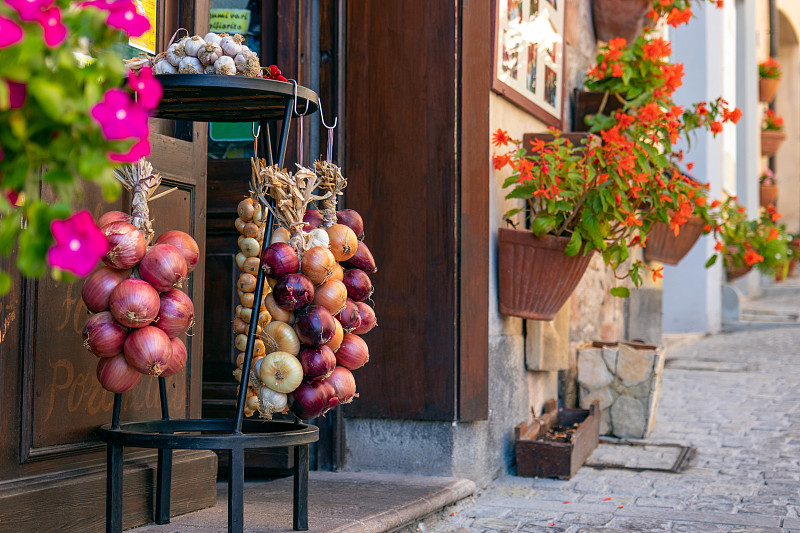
322 117
305 111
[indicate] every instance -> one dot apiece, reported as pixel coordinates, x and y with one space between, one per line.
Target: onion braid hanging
332 182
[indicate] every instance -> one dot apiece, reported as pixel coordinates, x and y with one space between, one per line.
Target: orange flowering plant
769 68
607 193
676 12
761 243
772 121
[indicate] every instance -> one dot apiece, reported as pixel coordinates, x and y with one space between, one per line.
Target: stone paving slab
338 503
735 397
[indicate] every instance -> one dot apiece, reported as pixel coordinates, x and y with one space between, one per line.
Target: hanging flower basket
620 18
737 272
768 195
664 246
536 278
767 88
771 140
587 103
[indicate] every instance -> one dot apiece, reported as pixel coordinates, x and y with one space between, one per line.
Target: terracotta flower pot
767 88
620 18
536 278
664 246
771 140
792 268
737 272
769 194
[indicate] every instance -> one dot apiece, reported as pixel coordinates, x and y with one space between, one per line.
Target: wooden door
50 455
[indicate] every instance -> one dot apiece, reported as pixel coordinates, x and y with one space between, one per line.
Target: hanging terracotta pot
587 103
737 272
767 88
768 195
664 246
771 140
620 18
536 278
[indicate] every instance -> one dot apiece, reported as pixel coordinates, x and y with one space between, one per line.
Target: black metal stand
226 99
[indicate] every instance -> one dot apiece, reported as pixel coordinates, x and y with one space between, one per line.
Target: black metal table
210 98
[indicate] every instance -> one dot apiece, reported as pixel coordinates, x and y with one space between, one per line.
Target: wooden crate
541 458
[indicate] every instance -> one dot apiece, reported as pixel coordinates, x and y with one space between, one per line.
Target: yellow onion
338 273
318 264
246 209
281 372
241 345
280 336
332 295
239 225
250 230
338 336
250 247
343 242
252 403
247 282
280 234
276 312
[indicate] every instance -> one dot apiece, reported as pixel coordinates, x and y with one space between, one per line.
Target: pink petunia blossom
54 31
137 151
120 117
147 87
79 244
29 10
17 94
10 32
122 14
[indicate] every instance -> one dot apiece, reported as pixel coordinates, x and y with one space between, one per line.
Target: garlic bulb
225 65
190 65
209 53
209 70
212 37
241 61
163 66
175 53
232 45
192 46
271 402
244 49
318 237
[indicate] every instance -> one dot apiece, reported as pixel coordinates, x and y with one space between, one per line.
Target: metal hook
294 82
322 117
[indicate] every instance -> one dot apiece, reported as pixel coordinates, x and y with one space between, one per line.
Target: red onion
351 219
343 383
293 291
349 316
363 259
314 325
313 399
185 245
353 353
134 303
112 216
104 336
178 359
280 259
116 375
98 287
127 245
312 218
368 319
318 363
163 267
148 350
359 286
175 313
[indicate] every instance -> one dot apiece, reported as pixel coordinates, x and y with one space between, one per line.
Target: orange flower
720 3
775 216
525 170
732 116
537 145
657 273
617 43
616 70
673 76
700 201
719 246
773 234
631 220
707 228
499 161
751 257
500 137
715 203
656 49
716 127
677 17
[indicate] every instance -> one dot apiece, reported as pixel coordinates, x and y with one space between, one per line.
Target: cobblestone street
732 396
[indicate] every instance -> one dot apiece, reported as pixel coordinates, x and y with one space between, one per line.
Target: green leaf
711 260
542 225
5 282
511 212
50 96
9 228
574 245
620 292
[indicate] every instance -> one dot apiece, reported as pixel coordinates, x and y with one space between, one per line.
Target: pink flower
147 87
120 117
29 10
10 32
54 31
123 15
137 151
79 244
17 94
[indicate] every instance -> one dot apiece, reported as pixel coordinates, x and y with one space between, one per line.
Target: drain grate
621 454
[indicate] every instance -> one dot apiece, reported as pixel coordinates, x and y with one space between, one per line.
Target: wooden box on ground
537 457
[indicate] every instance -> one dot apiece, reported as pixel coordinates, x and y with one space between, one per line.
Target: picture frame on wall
528 55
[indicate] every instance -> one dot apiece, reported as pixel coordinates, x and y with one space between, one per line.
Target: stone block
610 357
634 366
628 418
592 371
604 396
